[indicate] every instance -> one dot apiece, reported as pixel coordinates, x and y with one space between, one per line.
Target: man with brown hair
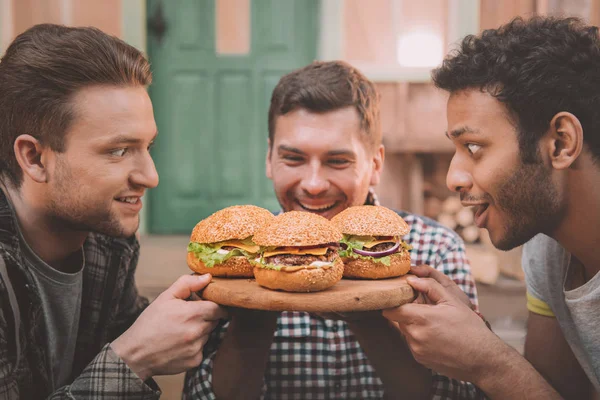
324 154
76 127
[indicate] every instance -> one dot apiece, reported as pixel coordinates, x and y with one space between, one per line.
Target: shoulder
542 254
544 261
542 247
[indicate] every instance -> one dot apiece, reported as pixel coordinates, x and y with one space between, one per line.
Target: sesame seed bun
234 267
367 269
370 221
297 228
303 280
235 222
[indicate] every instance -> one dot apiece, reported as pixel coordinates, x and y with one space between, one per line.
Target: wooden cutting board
345 296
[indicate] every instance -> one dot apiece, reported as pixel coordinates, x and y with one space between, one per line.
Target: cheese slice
376 242
316 251
239 244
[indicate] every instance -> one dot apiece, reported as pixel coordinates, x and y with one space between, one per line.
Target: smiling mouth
129 200
317 209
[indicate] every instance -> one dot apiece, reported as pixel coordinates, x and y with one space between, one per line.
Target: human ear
564 140
378 158
268 160
30 156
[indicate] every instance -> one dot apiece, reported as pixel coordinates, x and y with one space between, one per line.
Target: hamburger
299 253
372 246
222 243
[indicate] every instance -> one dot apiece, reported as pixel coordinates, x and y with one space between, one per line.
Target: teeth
317 208
130 200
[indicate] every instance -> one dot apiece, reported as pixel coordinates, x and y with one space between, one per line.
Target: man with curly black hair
524 114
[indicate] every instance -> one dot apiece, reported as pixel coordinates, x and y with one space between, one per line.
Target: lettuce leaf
269 266
208 254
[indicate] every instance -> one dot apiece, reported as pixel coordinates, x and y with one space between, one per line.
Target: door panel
211 110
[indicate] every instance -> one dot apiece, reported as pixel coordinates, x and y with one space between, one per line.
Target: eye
292 158
473 148
119 152
338 162
151 146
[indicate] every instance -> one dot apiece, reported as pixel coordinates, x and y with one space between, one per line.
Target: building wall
18 15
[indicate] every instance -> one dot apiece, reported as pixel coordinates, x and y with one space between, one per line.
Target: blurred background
215 63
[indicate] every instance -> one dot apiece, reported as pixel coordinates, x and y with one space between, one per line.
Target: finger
431 288
420 299
407 314
186 285
207 310
194 297
425 271
207 328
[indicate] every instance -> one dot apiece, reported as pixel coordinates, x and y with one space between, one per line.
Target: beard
73 206
530 203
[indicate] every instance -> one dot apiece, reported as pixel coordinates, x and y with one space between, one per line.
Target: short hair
42 70
328 86
536 68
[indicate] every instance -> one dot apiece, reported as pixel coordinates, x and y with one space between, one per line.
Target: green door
211 109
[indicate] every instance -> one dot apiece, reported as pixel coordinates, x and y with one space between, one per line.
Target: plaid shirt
316 358
110 303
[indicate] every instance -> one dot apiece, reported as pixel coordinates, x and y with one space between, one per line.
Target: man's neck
579 231
53 243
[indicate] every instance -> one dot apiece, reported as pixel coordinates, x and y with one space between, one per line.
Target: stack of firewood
451 213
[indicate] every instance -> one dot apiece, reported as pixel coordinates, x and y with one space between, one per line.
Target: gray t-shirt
60 294
546 265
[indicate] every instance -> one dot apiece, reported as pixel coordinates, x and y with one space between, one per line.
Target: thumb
430 288
186 285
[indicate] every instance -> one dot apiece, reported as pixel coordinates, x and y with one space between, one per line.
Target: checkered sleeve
108 377
198 381
454 263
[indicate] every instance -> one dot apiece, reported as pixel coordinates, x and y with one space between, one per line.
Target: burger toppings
282 258
212 254
380 253
377 249
317 251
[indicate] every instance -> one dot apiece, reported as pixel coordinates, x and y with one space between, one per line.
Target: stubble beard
530 204
69 210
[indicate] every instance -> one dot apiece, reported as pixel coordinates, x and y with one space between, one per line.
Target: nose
459 178
145 175
314 182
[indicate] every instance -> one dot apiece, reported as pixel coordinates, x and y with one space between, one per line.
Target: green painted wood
211 110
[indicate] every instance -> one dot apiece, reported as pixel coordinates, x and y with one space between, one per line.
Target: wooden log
470 234
447 220
451 205
465 217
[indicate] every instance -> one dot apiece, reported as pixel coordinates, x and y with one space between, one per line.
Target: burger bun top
297 228
370 221
235 222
